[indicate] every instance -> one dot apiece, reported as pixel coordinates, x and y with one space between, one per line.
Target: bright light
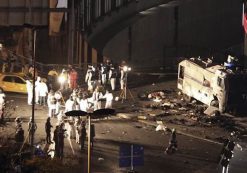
126 68
157 100
61 79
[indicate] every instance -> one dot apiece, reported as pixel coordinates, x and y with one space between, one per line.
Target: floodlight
61 79
126 68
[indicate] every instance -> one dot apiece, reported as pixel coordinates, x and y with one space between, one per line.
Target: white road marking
71 146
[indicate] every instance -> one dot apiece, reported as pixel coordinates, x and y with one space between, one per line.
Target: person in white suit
43 91
113 77
29 87
109 98
37 83
51 102
59 98
97 96
84 104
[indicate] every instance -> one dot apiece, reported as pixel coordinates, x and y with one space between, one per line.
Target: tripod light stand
123 93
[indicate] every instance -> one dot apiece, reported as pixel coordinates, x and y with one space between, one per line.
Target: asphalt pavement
198 147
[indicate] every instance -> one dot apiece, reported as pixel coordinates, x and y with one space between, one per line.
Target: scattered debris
239 146
142 117
211 111
124 133
101 159
124 115
182 109
137 126
160 126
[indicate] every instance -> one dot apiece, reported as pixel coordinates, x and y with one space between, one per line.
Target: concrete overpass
138 31
162 31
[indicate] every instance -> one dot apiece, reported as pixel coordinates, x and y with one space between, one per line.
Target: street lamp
32 27
94 114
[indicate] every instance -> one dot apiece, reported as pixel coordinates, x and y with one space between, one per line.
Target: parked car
13 82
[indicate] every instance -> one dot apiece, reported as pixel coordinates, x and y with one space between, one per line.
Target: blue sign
131 155
125 150
124 162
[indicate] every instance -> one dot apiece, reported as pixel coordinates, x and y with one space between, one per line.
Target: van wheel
187 98
215 103
1 89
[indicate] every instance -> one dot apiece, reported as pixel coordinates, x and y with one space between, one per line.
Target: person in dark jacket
19 135
32 127
92 135
55 139
48 127
61 135
172 147
83 134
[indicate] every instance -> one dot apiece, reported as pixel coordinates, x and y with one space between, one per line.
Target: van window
220 82
181 72
206 82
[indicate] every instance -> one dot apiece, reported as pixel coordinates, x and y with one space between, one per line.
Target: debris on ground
124 133
211 111
142 117
160 126
160 104
101 159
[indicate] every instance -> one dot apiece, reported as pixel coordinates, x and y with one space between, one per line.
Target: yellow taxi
13 82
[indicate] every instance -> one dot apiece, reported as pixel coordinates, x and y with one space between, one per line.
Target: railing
92 10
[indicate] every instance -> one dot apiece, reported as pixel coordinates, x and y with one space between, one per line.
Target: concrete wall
11 18
202 27
97 38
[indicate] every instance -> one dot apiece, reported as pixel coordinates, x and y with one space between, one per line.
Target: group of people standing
67 129
67 79
106 73
100 82
64 130
19 133
41 91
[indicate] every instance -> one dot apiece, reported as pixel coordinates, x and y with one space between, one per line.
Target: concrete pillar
245 50
85 52
80 51
94 56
